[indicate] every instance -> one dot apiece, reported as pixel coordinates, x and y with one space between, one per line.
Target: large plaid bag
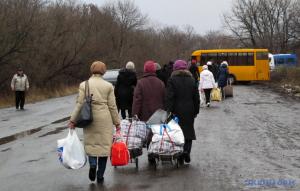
134 129
133 142
164 147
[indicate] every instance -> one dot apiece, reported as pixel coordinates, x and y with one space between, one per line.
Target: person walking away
149 93
99 134
160 73
207 83
124 89
168 69
20 84
183 100
214 69
223 77
195 71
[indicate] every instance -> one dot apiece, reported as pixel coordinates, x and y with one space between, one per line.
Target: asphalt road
249 142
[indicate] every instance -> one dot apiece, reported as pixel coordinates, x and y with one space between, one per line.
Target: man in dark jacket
223 77
124 88
160 73
195 71
214 69
183 100
149 93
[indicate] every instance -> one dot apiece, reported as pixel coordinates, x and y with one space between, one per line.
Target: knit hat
130 65
157 65
204 67
209 63
180 65
98 67
224 63
149 67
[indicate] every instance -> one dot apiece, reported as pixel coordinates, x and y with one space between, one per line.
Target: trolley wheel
136 163
115 167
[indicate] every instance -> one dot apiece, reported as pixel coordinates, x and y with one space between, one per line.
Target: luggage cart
173 158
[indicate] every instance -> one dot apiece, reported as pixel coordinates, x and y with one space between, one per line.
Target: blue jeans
101 164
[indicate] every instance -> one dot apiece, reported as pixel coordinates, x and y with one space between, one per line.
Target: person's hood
205 73
181 73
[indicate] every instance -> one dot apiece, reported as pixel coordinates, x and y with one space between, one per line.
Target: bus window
242 59
222 57
250 59
279 61
262 56
290 61
232 59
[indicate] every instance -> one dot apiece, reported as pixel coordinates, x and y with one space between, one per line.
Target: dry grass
286 75
36 94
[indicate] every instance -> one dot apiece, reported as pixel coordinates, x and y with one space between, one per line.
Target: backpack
119 154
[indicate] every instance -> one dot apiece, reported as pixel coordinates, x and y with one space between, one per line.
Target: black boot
187 158
100 180
92 173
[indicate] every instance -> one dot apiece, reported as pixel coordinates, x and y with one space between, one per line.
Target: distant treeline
55 41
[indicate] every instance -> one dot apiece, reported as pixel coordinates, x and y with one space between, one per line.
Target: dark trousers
123 113
207 95
20 99
187 146
101 164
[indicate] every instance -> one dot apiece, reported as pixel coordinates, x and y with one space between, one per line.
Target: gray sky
203 15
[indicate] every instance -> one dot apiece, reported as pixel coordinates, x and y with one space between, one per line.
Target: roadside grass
38 94
287 78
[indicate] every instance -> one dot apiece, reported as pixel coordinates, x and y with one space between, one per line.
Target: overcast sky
203 15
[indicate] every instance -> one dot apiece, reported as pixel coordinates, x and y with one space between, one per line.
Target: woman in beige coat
99 134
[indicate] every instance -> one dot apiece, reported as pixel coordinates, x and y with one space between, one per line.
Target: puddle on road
56 131
20 135
5 150
261 103
34 160
61 120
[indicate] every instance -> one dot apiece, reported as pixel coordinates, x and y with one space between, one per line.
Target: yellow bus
244 64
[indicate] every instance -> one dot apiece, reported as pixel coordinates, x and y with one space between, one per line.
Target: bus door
262 66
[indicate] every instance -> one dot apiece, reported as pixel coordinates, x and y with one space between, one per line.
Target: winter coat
207 80
223 76
19 83
214 70
124 88
183 100
162 76
195 72
148 96
98 135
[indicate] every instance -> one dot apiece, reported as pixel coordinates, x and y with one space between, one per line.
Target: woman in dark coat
149 93
183 101
124 89
223 76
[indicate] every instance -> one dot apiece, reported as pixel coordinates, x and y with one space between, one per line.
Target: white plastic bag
71 151
174 133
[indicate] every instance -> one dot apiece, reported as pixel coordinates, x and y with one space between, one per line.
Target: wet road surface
252 137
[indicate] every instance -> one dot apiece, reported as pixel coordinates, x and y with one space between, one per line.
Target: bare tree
262 23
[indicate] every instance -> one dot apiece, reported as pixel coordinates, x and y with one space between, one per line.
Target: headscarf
98 67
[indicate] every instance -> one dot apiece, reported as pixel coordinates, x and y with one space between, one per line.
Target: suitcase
228 91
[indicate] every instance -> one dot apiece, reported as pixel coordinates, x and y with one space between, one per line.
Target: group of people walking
213 76
178 94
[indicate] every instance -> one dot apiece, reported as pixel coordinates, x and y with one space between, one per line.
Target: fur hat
149 66
180 65
130 65
98 67
209 63
204 67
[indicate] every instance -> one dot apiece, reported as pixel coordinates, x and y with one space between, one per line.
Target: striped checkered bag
133 142
134 129
164 147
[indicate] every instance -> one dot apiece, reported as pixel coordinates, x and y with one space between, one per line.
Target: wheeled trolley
173 158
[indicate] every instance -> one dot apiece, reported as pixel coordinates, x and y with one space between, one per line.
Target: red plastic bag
119 154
